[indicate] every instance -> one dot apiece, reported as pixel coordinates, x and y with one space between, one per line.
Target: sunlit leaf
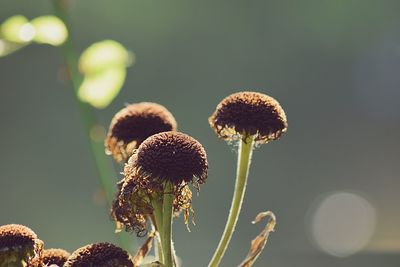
17 29
101 88
7 47
49 30
104 55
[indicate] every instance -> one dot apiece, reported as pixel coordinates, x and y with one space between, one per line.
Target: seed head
15 235
168 156
18 243
133 124
55 256
99 255
249 113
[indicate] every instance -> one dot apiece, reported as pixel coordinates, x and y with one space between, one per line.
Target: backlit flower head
133 124
249 113
168 156
55 256
18 243
99 255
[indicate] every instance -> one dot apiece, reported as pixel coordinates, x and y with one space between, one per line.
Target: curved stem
103 164
244 154
167 224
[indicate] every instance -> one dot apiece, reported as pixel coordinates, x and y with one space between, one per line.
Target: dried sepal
144 249
258 243
132 205
153 264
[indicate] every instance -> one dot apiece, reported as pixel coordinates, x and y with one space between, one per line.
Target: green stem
166 237
158 223
103 164
245 153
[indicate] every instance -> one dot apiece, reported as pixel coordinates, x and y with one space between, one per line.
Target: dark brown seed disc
13 235
249 113
55 256
173 156
133 124
99 255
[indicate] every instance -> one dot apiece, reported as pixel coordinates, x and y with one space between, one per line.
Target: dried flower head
18 243
249 113
99 255
55 256
133 124
132 206
168 156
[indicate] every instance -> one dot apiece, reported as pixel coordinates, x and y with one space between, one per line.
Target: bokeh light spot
27 32
342 223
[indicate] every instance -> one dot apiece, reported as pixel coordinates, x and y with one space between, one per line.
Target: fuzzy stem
158 223
167 224
102 162
244 159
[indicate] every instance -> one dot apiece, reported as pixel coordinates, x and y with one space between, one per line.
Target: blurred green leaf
104 67
99 89
104 55
17 29
7 47
49 30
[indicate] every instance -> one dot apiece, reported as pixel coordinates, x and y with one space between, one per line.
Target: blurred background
332 180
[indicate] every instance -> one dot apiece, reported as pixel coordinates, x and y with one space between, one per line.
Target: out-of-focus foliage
49 30
17 29
17 32
104 55
99 89
103 65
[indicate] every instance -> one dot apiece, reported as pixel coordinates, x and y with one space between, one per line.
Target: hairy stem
158 223
244 159
166 236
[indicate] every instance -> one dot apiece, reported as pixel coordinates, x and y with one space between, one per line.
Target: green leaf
7 47
49 30
104 55
103 65
99 89
17 29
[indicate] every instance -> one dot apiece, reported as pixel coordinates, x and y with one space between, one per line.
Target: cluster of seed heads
144 136
19 246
